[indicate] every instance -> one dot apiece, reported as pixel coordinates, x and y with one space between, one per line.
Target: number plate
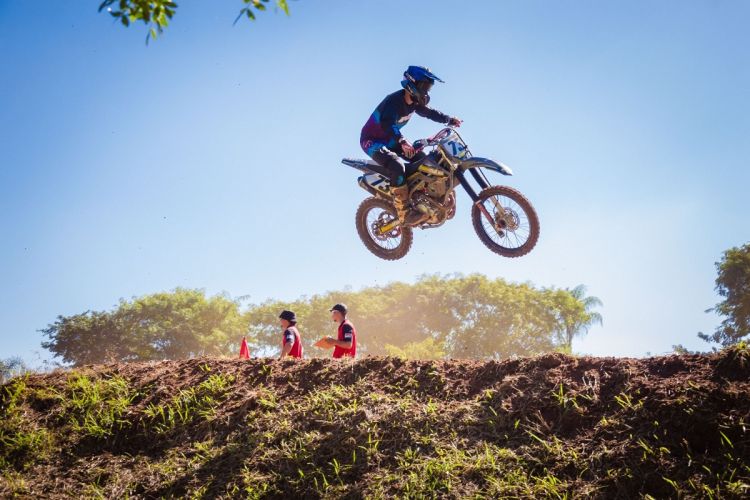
455 147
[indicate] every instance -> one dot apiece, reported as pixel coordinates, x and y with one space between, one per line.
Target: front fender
476 162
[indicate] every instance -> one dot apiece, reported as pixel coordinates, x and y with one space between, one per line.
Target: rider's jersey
384 124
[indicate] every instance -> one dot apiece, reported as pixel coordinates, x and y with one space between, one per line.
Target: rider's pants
390 159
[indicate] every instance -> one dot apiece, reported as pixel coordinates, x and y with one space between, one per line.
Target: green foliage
425 349
190 404
156 14
406 447
21 442
735 358
732 283
174 325
578 315
259 5
436 317
497 472
465 316
682 350
97 407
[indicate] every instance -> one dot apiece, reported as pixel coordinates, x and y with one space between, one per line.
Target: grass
22 441
491 472
564 399
377 424
628 402
194 403
398 432
736 358
97 407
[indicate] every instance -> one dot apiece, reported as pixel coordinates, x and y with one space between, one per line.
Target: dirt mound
551 426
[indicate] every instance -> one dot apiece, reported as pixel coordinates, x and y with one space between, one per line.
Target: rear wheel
505 221
378 228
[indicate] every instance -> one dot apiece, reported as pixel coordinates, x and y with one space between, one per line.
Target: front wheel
378 228
505 221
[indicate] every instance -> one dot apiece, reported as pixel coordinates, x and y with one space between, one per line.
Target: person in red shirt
291 343
346 343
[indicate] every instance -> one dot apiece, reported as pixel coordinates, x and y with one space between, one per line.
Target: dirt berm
553 426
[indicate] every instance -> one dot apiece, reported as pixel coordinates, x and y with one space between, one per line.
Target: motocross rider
381 136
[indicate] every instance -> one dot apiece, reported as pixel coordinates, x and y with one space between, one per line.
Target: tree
437 316
428 348
583 317
172 325
732 283
87 338
156 14
466 316
682 350
11 367
481 318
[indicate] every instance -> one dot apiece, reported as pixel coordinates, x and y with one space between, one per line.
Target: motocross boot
400 201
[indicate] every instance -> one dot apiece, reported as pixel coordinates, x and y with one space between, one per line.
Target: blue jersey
384 124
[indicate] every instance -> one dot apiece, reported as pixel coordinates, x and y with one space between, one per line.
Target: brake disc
507 219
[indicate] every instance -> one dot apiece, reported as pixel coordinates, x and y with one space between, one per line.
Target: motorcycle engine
437 187
435 211
429 185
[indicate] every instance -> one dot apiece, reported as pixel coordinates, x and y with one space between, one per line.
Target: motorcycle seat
371 167
366 166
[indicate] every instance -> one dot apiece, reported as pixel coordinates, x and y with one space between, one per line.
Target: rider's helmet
418 81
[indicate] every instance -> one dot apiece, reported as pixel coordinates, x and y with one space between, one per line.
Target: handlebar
420 144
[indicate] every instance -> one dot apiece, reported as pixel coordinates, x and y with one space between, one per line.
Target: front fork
388 227
461 176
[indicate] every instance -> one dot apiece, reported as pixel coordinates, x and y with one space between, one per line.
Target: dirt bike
503 218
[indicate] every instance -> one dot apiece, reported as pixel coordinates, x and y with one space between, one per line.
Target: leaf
284 5
105 3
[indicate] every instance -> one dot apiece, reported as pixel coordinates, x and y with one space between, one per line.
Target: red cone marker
244 350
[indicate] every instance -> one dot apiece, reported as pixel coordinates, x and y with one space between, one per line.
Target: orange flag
244 351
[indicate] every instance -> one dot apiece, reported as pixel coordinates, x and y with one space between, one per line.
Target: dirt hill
553 426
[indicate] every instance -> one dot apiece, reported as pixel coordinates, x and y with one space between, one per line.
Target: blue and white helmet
418 81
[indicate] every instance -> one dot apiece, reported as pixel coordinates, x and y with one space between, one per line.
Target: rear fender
477 162
361 165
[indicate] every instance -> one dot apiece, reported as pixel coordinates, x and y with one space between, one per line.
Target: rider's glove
407 148
455 121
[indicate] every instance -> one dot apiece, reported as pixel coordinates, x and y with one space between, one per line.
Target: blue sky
210 158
